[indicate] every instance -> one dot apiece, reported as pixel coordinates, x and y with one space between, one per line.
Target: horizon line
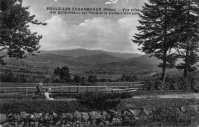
92 50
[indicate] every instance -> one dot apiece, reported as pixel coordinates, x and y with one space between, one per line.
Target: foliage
172 83
92 79
100 100
128 78
16 39
83 80
7 77
188 30
77 79
63 74
155 32
169 30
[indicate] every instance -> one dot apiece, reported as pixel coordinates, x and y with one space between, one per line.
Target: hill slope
97 59
85 52
89 62
135 65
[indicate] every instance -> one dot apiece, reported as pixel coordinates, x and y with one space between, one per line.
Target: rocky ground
183 116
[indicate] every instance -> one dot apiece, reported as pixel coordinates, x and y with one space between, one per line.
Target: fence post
26 91
78 89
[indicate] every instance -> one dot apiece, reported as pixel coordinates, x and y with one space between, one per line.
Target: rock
183 109
40 114
69 117
101 124
58 123
54 115
67 125
194 108
51 117
46 116
116 121
5 124
32 123
31 116
2 118
37 116
88 124
104 115
113 113
77 115
36 123
134 112
106 123
17 117
130 114
94 115
194 125
23 115
85 116
63 115
146 111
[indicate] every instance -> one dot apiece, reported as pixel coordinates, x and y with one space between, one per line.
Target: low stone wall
128 117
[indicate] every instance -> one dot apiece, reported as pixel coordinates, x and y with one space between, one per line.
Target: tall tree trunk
164 44
186 68
186 62
164 66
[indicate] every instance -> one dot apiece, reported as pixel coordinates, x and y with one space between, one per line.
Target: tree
77 79
156 32
123 78
128 78
188 30
92 78
16 39
83 80
7 76
62 73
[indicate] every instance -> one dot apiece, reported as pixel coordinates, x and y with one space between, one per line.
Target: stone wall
128 117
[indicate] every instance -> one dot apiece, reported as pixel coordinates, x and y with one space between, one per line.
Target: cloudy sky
110 33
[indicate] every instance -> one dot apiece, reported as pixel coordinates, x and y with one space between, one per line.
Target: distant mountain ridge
98 59
91 61
85 52
134 65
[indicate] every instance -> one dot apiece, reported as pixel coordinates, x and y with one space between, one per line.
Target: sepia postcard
99 63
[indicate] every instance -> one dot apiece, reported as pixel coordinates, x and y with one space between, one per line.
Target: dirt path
180 96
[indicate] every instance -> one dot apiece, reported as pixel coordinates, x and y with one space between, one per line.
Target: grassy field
32 106
8 84
16 103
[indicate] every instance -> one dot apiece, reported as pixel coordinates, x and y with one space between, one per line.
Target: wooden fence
67 89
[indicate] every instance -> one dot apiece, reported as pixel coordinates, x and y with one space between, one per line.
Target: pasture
18 97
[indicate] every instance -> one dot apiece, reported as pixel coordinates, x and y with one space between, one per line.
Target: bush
99 100
171 83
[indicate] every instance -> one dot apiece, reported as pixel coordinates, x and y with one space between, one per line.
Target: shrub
99 100
171 83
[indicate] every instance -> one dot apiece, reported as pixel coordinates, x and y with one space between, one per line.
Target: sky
66 31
